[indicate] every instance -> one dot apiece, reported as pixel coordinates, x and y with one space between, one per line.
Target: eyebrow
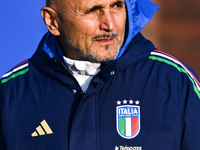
95 7
99 6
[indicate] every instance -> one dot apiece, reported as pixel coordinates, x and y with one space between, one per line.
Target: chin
104 58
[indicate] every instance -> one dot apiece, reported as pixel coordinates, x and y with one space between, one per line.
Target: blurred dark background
175 29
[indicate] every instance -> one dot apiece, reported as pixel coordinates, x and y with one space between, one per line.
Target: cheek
89 26
120 21
81 37
122 24
85 32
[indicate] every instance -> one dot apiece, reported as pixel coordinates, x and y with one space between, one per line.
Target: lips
104 39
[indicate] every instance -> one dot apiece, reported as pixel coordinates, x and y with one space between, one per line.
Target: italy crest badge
128 119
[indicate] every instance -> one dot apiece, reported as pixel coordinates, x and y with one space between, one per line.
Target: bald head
55 4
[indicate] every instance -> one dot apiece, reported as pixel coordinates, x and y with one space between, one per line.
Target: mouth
105 39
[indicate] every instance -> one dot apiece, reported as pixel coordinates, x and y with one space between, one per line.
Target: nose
107 21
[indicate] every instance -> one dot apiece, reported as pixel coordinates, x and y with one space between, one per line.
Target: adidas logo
42 129
116 148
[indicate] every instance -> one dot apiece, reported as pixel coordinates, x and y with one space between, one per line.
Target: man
95 83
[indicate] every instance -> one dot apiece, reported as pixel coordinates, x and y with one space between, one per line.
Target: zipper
80 96
77 99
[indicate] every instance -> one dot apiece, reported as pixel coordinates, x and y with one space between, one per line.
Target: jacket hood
139 13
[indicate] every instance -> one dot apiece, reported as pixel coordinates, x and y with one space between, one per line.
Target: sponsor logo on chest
128 148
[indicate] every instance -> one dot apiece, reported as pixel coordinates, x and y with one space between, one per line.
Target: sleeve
2 146
191 132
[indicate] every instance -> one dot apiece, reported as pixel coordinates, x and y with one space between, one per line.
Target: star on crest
131 102
137 102
118 102
125 101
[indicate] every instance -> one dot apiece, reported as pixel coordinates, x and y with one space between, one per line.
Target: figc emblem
128 121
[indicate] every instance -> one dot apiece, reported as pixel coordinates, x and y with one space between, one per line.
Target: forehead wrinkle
63 6
79 7
101 5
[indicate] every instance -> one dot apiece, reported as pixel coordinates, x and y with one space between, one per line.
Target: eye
118 4
94 8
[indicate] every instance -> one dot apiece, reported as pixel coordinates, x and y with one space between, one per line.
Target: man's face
91 29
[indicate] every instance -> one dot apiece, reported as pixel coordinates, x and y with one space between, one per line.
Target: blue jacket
144 100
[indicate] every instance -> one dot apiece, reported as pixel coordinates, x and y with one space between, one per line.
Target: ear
50 18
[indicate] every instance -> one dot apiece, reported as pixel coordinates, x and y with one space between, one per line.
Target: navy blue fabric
169 105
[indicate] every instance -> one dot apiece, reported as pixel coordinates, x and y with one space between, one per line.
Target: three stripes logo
42 129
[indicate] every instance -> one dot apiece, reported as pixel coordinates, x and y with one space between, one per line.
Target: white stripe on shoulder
179 63
15 70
